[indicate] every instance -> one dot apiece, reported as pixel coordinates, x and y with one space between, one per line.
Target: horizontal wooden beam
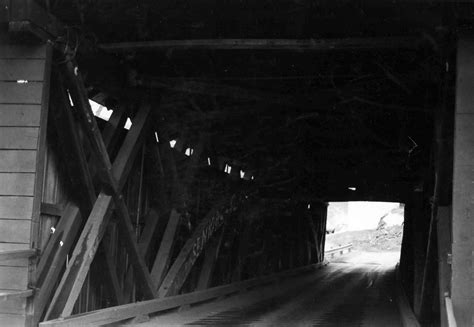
52 209
394 42
18 254
9 295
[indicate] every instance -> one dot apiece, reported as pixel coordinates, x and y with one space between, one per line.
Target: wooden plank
151 222
40 175
17 183
119 313
314 235
72 149
6 294
22 69
12 320
268 44
16 254
181 267
25 138
15 231
444 249
124 160
52 209
210 258
78 167
73 79
463 185
146 238
112 274
16 207
13 278
21 93
54 255
17 161
81 259
114 126
10 303
15 263
163 256
20 115
13 246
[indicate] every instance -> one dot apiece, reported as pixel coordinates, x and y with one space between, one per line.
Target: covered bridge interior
247 118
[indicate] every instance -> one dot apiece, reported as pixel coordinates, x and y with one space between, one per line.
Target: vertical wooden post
463 185
444 250
163 257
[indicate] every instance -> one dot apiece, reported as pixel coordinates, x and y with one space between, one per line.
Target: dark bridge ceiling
309 123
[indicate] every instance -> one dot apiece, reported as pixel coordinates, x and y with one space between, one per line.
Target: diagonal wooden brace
191 250
86 247
54 255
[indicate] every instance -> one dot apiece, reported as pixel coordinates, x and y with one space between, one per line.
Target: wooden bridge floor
354 290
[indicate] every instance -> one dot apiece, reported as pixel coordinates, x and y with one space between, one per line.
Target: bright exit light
352 188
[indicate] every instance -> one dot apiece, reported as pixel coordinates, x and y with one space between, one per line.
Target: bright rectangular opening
361 231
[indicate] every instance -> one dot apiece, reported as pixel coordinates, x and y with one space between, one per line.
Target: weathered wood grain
72 281
210 258
191 250
52 209
21 138
22 69
17 161
13 278
15 207
27 93
17 183
23 262
15 231
12 320
162 259
12 305
20 115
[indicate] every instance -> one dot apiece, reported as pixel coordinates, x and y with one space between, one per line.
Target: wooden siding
23 78
20 115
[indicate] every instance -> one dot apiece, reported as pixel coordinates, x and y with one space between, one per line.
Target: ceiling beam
393 42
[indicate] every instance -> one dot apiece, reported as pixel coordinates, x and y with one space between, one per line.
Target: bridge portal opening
361 230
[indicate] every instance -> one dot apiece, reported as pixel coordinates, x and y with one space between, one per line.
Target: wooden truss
99 165
93 205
